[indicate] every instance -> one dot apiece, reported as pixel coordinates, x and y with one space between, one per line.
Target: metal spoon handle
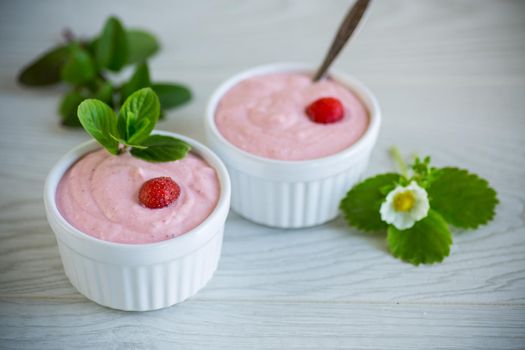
344 33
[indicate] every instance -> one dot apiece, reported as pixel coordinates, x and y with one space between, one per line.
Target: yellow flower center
404 201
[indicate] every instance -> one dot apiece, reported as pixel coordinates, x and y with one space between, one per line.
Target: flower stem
68 35
123 149
398 159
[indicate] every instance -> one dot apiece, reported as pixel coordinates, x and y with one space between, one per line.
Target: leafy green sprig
456 197
86 65
131 128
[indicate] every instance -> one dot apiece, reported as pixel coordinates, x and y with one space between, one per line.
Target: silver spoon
344 33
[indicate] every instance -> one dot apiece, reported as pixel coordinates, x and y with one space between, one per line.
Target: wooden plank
44 324
326 264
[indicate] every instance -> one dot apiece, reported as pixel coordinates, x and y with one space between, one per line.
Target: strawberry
326 110
159 192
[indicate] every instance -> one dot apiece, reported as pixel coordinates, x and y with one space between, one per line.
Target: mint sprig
132 127
456 197
85 65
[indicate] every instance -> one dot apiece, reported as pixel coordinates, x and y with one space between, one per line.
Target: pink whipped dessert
99 196
265 115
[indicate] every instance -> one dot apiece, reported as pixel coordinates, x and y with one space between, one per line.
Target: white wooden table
450 76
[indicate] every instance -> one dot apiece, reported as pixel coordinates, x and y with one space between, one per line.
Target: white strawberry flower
404 206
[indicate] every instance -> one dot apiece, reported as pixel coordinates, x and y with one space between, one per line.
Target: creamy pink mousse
99 196
265 115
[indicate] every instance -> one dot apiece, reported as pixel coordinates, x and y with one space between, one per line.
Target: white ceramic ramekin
139 277
292 194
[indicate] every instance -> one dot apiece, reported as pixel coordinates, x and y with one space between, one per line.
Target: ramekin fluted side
141 287
291 204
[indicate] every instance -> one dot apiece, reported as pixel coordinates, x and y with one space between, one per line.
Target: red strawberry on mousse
326 110
159 192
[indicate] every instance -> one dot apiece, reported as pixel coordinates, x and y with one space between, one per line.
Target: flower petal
404 220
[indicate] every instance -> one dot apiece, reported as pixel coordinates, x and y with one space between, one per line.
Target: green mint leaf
427 242
141 45
361 205
171 95
138 116
161 148
91 46
68 108
79 68
112 46
105 93
463 199
124 142
99 120
140 79
45 70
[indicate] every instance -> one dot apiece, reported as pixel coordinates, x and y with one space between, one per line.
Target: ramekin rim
90 145
364 94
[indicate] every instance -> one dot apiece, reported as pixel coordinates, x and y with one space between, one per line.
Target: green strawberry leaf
138 116
111 49
161 148
141 45
45 70
361 204
99 120
427 242
463 199
171 95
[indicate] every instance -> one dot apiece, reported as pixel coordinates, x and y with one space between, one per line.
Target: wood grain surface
450 78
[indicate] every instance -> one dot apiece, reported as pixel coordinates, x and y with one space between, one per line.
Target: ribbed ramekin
292 194
139 277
